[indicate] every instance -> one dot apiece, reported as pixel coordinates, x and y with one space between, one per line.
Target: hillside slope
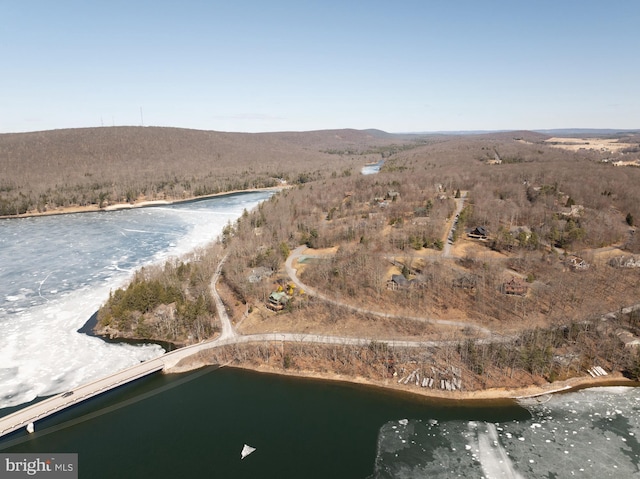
44 170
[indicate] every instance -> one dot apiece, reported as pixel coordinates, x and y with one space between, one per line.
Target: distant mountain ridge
551 131
588 131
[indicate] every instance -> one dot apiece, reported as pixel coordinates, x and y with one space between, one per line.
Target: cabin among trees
282 296
629 340
515 286
576 263
625 262
479 232
258 274
277 300
398 281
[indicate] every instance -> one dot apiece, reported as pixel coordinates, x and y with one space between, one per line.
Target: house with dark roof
398 281
479 232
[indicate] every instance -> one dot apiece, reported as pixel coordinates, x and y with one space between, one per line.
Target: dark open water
301 428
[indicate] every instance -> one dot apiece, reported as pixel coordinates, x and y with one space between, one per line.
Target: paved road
230 336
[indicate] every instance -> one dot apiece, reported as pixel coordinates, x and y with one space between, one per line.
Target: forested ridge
44 171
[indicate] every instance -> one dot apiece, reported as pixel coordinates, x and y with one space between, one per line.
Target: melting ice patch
591 433
442 450
588 433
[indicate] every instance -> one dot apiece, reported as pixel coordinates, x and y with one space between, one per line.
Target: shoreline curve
68 210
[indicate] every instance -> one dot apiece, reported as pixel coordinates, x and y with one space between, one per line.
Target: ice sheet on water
591 433
56 272
42 354
371 169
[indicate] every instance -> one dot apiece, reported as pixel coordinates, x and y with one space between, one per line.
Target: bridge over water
55 404
58 403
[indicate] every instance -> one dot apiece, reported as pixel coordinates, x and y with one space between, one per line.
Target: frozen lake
56 271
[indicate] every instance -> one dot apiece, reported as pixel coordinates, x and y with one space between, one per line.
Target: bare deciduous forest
46 170
554 219
543 248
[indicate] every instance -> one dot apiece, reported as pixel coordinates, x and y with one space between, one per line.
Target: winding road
229 336
292 273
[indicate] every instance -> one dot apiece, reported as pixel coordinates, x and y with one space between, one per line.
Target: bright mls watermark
52 466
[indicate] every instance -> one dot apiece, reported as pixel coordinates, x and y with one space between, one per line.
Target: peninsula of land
494 265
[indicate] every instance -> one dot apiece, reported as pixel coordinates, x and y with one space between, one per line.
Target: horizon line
419 132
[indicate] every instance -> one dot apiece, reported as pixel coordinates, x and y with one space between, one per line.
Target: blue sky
249 65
